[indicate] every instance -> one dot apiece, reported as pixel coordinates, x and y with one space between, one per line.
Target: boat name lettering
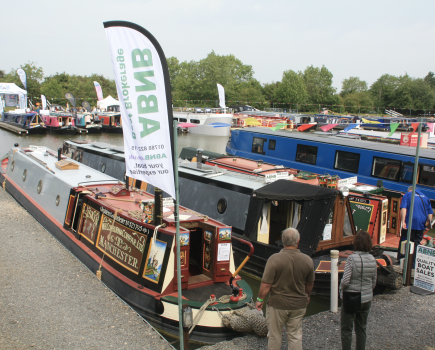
125 222
360 200
115 251
138 243
362 207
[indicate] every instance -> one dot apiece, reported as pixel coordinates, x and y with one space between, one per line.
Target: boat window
176 119
272 144
406 173
386 168
306 154
183 120
222 206
347 161
427 175
257 145
195 121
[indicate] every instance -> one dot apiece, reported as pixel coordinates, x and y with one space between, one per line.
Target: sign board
383 233
282 175
363 212
349 182
168 202
424 276
410 139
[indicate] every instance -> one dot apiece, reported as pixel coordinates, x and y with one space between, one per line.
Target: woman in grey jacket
360 262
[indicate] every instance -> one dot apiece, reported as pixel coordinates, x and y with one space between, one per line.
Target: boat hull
145 304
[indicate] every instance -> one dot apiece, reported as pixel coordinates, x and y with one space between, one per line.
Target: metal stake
411 209
177 237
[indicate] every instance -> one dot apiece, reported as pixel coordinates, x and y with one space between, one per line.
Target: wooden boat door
394 215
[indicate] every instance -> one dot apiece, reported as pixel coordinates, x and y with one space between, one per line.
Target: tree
269 90
354 101
292 88
413 93
430 79
382 90
318 83
2 74
174 69
353 84
34 75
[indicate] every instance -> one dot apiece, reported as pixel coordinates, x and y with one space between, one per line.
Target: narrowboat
207 123
30 121
110 121
344 157
109 228
59 121
87 122
256 210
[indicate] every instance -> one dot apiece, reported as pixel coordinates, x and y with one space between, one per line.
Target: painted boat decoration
32 122
108 228
257 211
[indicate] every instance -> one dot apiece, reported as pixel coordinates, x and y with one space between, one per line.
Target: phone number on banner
147 148
424 285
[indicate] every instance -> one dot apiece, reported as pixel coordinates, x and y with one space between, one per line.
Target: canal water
214 144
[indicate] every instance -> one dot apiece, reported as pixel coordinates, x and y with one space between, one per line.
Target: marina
169 204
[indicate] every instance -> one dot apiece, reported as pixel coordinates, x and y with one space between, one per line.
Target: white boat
210 124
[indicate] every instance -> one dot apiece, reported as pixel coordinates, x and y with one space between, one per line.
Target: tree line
194 83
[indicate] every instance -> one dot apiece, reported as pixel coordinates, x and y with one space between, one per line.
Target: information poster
224 251
424 276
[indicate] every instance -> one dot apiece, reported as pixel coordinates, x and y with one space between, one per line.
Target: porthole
57 200
13 165
222 206
103 168
24 175
39 188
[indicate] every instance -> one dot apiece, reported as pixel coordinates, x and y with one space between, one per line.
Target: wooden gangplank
16 129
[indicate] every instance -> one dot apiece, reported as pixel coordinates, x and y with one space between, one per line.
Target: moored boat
30 121
258 211
87 121
110 229
210 124
58 121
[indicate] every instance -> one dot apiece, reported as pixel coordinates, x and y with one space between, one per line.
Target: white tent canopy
108 101
13 95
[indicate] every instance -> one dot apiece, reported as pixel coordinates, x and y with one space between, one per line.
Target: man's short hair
290 237
409 188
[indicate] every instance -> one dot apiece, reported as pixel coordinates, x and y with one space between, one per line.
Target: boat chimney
158 206
59 153
259 163
199 158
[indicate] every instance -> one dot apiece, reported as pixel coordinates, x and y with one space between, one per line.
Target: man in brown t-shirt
289 277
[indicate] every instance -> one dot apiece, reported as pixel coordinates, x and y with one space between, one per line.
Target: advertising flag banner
142 82
44 102
70 97
22 74
221 91
98 90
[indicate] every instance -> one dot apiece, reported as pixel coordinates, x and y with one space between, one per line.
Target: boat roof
358 144
83 174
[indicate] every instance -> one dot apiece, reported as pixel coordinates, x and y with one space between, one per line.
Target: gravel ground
400 320
50 300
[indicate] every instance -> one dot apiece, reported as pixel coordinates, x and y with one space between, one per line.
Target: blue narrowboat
32 122
345 157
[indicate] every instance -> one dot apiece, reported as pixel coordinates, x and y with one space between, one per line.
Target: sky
365 39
